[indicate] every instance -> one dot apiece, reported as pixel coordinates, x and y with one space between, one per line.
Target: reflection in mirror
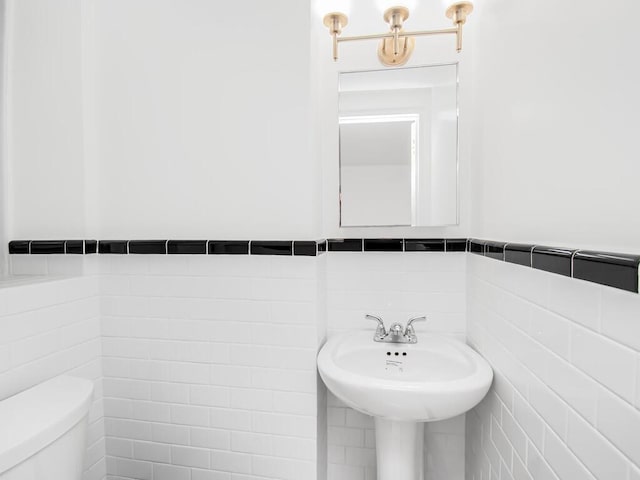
399 147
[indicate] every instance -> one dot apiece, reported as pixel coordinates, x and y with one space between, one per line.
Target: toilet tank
42 431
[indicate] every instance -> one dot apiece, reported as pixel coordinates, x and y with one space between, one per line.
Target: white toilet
42 431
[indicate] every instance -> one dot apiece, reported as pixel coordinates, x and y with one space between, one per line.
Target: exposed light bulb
384 5
322 7
447 3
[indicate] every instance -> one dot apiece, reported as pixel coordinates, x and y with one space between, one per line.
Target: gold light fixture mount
396 46
459 11
395 51
396 16
335 22
394 54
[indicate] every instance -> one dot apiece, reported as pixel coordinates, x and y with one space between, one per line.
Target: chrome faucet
397 333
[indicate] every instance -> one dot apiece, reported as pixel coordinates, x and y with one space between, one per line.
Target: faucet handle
409 330
380 330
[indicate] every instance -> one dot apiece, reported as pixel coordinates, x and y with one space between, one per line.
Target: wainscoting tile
345 245
554 260
271 248
424 245
187 247
229 247
518 253
148 247
383 245
612 269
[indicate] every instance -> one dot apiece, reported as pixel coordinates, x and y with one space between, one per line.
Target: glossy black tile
322 246
90 247
148 247
476 247
554 260
74 247
456 244
494 250
518 253
424 245
228 247
275 247
112 247
305 249
187 247
47 247
383 245
345 245
19 247
611 269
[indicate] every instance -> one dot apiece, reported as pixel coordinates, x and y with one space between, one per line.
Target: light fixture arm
381 36
335 22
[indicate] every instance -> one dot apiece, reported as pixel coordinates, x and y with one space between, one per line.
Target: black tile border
455 244
228 247
494 250
47 247
518 253
90 247
148 247
271 247
383 245
345 244
611 269
113 247
187 247
615 270
552 259
425 245
476 246
74 247
305 249
20 247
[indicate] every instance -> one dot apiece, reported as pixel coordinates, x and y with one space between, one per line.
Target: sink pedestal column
399 450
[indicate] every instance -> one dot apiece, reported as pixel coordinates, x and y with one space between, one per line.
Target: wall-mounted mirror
399 147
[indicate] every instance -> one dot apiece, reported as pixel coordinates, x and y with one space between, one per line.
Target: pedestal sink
402 386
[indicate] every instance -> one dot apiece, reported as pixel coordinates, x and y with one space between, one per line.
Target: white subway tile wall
209 363
49 328
395 286
566 356
209 366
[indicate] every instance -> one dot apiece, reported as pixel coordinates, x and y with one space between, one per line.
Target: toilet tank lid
31 420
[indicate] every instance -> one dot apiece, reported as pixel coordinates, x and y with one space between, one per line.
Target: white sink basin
403 385
434 379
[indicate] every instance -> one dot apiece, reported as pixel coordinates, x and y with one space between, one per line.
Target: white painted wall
203 120
49 328
395 286
4 170
44 136
565 402
555 151
138 119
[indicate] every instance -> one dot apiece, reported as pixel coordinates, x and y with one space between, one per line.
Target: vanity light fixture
396 47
